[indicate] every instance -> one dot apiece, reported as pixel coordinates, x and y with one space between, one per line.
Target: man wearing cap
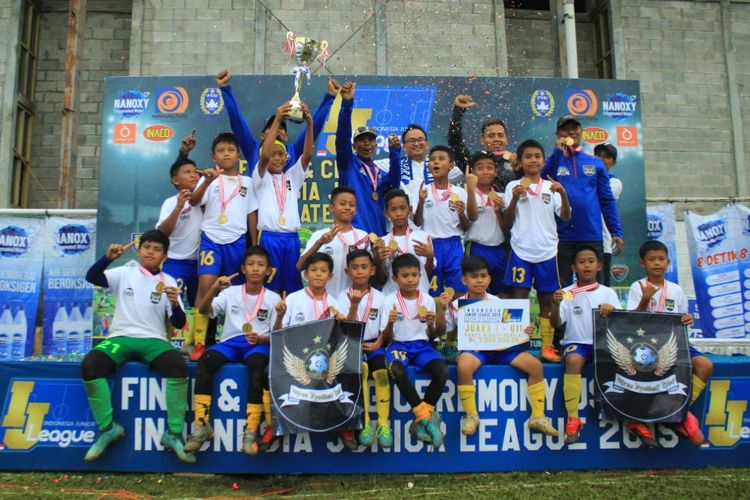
587 182
607 153
358 170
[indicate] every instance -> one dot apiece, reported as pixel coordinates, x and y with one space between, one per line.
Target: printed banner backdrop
642 366
68 312
45 425
21 257
141 134
316 377
661 226
718 245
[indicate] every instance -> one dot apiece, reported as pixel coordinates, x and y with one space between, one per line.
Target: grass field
666 484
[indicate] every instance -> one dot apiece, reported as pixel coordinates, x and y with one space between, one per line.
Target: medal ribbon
223 202
662 299
280 193
367 308
400 250
160 277
324 312
369 167
578 289
402 304
442 197
258 302
485 198
357 242
537 188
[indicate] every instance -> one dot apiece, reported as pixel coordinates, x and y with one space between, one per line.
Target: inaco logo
725 417
131 103
158 133
73 239
594 135
14 241
581 102
712 233
172 100
655 227
619 106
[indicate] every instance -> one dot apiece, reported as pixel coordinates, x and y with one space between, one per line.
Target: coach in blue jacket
586 181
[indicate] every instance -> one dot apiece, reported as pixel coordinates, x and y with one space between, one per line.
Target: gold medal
569 141
454 197
422 311
281 220
373 237
492 196
222 219
526 182
160 287
450 291
375 196
247 328
507 156
393 245
568 295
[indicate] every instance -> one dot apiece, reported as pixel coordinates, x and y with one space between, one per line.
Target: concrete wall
105 53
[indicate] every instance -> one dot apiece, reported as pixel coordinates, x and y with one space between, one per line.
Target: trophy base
296 115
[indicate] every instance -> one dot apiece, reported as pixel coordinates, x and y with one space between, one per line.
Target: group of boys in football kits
411 235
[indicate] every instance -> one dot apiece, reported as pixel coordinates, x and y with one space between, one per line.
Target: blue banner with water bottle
661 227
68 316
21 255
719 247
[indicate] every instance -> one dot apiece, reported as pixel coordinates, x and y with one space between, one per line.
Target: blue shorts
504 357
585 350
239 349
498 261
283 249
222 259
380 351
416 352
447 273
185 273
694 352
522 274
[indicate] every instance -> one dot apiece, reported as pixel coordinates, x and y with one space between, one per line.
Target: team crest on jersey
428 204
288 185
300 317
451 206
589 169
373 314
619 272
155 297
562 171
669 304
234 310
328 251
185 215
128 292
262 315
399 317
546 198
243 191
577 310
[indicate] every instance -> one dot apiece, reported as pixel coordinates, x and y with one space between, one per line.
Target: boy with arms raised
572 308
403 239
365 305
655 293
408 328
338 240
249 313
277 192
228 203
477 278
359 171
444 214
485 237
181 221
533 204
145 298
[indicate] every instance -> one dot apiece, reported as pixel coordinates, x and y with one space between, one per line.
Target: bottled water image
88 327
59 331
18 338
6 327
74 340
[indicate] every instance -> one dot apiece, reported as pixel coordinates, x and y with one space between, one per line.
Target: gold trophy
305 51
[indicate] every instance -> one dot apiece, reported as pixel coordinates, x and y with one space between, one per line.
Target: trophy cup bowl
306 50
